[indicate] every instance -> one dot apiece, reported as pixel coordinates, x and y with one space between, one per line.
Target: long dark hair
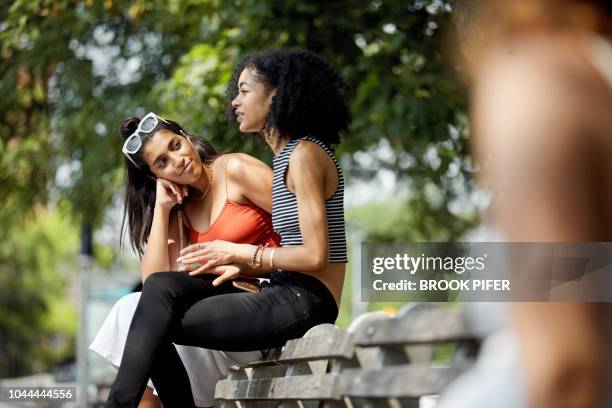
309 98
140 182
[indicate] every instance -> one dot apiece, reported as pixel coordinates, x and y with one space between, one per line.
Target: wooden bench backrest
370 364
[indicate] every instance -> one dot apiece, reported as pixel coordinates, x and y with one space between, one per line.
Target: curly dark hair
140 182
310 94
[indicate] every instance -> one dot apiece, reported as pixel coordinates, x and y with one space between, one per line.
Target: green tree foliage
71 70
394 55
33 278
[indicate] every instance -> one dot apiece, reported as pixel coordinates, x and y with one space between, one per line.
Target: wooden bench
379 361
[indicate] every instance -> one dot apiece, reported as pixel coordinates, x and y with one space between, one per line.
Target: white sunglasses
133 143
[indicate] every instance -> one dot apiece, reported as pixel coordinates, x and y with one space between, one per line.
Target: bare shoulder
306 153
239 164
539 98
537 124
544 74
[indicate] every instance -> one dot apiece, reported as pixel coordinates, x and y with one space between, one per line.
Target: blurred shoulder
542 92
556 69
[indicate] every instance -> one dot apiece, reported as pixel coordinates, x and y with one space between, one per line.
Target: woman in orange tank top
170 172
178 187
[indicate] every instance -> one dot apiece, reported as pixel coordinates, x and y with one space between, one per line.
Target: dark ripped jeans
177 308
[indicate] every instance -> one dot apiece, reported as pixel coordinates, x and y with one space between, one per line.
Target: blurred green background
71 70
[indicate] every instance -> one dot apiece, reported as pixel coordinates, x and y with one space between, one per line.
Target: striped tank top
285 210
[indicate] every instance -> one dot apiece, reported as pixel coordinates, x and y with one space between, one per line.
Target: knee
160 284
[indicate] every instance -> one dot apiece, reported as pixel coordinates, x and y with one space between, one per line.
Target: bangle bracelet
272 258
261 252
254 263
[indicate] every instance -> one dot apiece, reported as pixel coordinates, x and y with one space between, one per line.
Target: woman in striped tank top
295 101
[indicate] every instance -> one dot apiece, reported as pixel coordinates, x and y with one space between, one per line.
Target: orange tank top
238 223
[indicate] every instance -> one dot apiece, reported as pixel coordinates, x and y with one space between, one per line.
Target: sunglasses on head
133 143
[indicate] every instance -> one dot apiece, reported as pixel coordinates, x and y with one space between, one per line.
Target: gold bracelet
272 258
254 263
260 256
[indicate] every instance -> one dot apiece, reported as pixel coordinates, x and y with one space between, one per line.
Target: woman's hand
225 272
168 194
212 254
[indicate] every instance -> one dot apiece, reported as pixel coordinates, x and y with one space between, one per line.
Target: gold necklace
210 178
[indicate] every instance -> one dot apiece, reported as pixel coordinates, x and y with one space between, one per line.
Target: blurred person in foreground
541 83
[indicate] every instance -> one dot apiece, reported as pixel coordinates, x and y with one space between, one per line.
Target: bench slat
271 371
305 387
398 381
405 381
435 325
333 345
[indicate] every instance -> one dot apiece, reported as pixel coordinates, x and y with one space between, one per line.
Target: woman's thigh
247 321
176 292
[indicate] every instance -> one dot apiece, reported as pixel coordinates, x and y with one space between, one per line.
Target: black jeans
177 308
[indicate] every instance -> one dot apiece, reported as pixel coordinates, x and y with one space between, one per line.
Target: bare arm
163 245
307 175
534 144
156 257
307 172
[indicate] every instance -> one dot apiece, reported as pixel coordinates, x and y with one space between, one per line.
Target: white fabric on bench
203 366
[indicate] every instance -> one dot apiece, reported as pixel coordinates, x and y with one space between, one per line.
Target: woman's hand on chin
168 194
